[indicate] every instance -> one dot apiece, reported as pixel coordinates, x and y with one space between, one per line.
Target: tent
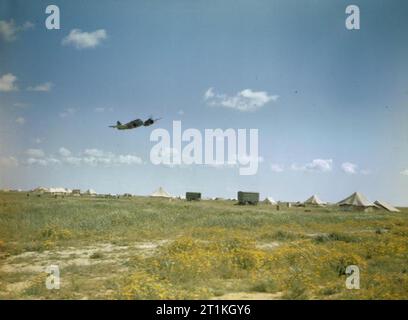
59 190
40 190
356 201
90 192
161 193
269 200
386 206
314 201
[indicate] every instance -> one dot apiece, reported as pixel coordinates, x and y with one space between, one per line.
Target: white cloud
91 157
64 152
44 87
404 172
83 40
277 167
42 161
76 161
35 153
67 112
36 161
20 105
99 109
245 100
94 152
323 165
20 120
38 140
180 112
8 162
9 30
95 157
349 168
7 82
209 94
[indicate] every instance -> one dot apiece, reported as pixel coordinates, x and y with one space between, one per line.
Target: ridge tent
386 206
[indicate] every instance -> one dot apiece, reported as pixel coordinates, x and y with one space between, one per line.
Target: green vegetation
145 248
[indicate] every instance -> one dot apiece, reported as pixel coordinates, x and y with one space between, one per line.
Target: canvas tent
386 206
314 201
269 200
59 190
161 193
90 192
356 201
40 190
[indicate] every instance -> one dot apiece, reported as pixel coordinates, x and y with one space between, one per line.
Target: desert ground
148 248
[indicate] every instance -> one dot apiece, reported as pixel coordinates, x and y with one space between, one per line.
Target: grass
144 248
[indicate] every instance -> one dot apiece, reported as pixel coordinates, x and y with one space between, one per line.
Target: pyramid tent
357 200
386 206
314 200
269 200
161 193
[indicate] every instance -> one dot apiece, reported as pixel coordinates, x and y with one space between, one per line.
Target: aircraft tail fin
118 123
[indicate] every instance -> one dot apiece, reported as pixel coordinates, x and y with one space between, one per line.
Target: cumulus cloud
67 112
277 167
20 120
349 168
64 152
44 87
7 82
43 161
404 172
90 157
9 30
245 100
95 157
84 40
322 165
35 153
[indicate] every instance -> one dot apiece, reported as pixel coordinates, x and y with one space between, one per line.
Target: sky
330 104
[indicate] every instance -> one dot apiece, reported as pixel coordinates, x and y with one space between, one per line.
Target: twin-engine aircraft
134 124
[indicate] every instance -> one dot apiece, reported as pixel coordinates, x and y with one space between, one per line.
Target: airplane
134 124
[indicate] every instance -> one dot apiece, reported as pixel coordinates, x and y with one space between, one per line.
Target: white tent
161 193
59 190
386 206
269 200
90 192
40 190
314 200
357 201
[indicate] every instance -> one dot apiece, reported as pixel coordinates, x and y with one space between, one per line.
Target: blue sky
338 123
